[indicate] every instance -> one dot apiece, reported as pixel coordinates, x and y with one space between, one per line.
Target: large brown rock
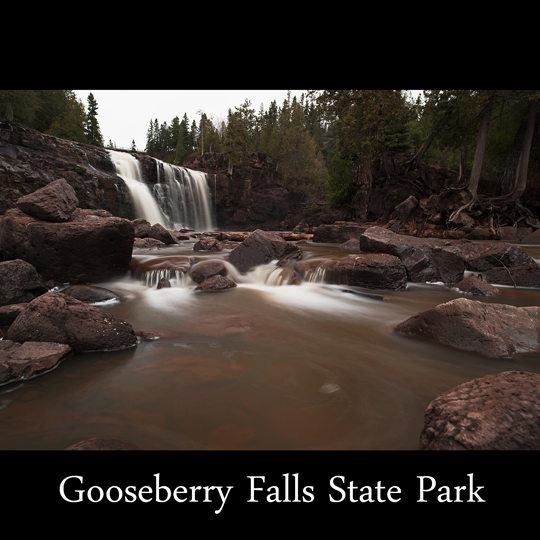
525 275
426 259
493 330
482 256
29 359
338 232
495 412
367 270
216 283
91 246
60 318
207 269
261 247
19 282
474 285
159 232
54 202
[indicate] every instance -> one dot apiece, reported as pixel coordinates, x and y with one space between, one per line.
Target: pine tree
92 131
70 124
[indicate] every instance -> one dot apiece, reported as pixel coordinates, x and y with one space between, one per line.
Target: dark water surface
262 366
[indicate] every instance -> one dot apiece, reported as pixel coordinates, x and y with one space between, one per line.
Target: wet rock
367 270
493 330
147 243
163 283
525 275
91 294
141 227
60 318
495 412
351 245
30 359
171 266
426 259
476 286
512 234
9 313
403 210
208 244
261 247
19 282
216 283
480 233
159 232
55 202
338 232
533 238
482 256
207 269
91 246
103 444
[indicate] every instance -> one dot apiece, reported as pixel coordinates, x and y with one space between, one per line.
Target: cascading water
180 199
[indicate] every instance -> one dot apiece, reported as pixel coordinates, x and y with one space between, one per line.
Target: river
257 367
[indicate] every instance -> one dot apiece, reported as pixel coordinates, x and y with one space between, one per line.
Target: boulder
338 232
480 233
55 202
426 259
27 360
512 234
90 294
163 283
208 244
481 256
103 444
207 269
216 283
159 232
19 282
351 245
147 243
261 247
525 275
492 330
403 210
494 412
476 286
533 238
367 270
60 318
9 313
141 227
91 246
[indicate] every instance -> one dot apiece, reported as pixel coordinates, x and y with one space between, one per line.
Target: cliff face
29 160
250 195
245 197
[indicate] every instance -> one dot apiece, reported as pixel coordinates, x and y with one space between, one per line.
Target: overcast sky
124 115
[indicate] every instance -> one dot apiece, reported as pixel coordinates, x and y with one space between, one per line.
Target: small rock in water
216 283
163 283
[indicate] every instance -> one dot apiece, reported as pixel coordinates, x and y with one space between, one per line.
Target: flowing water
266 365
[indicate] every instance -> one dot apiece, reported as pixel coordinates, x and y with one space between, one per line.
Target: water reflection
261 366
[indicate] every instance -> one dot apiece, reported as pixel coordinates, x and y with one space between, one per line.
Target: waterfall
180 199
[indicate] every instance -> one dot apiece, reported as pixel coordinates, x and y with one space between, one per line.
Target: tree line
53 112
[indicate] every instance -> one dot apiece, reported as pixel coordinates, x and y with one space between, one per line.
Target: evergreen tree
92 131
70 124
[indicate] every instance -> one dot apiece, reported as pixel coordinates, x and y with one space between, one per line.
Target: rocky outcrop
476 286
91 246
482 256
261 247
367 270
493 330
338 232
216 283
525 275
60 318
19 282
30 160
30 359
426 259
495 412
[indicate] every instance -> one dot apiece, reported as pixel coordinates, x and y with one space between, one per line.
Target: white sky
124 115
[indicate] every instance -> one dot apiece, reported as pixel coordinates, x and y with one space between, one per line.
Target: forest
490 136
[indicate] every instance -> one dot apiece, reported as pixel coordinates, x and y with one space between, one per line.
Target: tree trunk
463 161
384 162
415 161
9 109
523 162
507 181
480 148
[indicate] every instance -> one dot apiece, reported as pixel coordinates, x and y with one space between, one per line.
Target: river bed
257 367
